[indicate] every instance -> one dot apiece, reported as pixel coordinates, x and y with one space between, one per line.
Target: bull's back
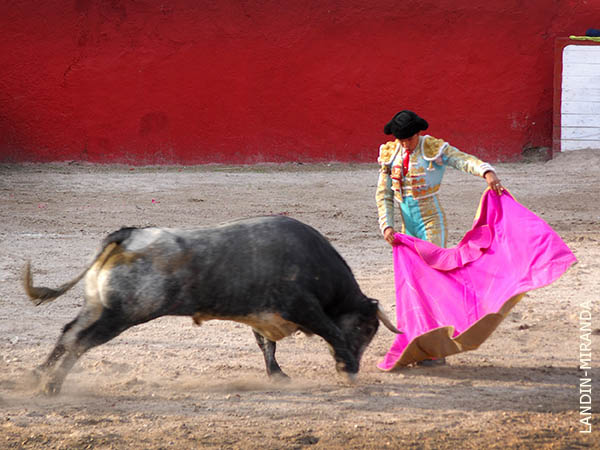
242 266
273 251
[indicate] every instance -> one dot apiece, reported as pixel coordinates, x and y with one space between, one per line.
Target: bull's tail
40 294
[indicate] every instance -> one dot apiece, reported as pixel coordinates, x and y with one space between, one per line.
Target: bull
275 274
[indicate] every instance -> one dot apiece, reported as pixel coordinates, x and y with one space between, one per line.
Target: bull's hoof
279 377
32 379
50 389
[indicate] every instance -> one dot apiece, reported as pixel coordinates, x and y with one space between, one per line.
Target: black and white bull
275 274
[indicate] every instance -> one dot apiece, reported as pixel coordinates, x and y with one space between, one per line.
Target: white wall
580 99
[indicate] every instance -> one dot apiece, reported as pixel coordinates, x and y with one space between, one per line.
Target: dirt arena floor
169 384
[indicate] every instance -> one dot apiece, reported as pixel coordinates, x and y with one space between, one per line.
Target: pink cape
450 300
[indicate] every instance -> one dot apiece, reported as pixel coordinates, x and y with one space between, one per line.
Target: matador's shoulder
432 147
386 152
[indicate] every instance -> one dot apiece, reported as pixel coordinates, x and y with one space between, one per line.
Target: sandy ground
169 384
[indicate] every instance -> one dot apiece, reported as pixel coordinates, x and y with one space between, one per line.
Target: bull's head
359 327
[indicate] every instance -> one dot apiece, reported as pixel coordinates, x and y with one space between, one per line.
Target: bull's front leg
268 349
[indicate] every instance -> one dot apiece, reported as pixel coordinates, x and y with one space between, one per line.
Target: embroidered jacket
426 168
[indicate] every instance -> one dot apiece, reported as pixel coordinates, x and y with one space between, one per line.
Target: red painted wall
247 81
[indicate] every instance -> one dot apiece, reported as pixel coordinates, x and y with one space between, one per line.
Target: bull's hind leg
268 348
58 351
75 341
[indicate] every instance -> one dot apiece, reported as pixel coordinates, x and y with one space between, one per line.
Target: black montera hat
405 124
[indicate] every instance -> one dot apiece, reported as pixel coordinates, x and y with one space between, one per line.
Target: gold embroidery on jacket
386 151
432 147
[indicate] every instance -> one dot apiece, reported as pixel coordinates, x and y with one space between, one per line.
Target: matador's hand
493 182
388 235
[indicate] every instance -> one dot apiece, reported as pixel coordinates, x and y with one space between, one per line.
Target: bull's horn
386 321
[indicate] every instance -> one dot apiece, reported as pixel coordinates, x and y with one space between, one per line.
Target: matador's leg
433 221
